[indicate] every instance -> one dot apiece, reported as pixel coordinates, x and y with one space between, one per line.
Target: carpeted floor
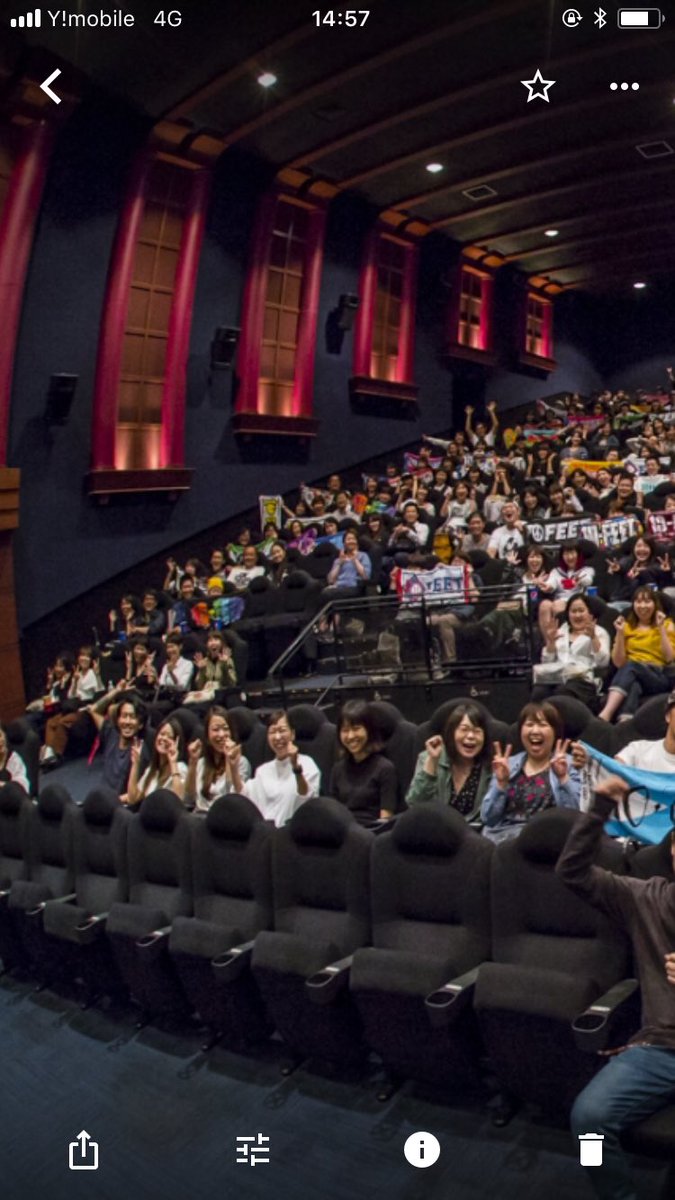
166 1118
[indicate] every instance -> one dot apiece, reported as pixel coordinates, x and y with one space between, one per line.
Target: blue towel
660 788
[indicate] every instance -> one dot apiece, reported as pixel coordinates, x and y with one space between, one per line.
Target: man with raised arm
639 1079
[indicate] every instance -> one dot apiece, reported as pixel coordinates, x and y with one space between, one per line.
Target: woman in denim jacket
542 776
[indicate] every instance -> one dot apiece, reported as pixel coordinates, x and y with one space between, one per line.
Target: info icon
422 1149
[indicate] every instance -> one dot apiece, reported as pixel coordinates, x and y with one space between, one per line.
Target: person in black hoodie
639 1079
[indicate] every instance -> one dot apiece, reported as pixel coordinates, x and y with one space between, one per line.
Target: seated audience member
342 507
642 566
500 492
409 533
153 618
166 769
542 776
140 674
350 571
84 685
621 497
125 621
172 578
646 753
643 653
182 613
301 538
214 670
454 768
457 507
567 579
481 432
279 566
509 535
362 778
640 1078
217 564
57 685
279 787
533 504
118 724
235 550
573 656
477 538
211 762
12 766
176 674
250 568
376 529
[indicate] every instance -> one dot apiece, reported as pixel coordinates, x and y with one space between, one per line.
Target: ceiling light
267 79
551 232
434 168
639 285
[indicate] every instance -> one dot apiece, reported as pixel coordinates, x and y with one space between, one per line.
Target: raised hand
620 624
194 750
613 565
500 764
136 747
664 562
233 754
172 754
660 619
199 658
670 968
559 759
434 747
579 755
293 753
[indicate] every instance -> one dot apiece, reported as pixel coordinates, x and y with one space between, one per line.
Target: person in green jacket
454 768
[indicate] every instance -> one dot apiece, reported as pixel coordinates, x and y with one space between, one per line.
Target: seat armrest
447 1002
35 912
593 1028
230 965
153 943
91 928
324 986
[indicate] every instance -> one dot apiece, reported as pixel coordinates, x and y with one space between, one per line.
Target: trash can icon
590 1149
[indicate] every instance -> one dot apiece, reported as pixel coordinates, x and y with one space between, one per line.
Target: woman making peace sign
541 776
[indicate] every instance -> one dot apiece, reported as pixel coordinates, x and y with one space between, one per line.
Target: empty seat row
426 944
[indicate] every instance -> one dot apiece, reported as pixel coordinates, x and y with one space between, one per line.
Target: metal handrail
334 607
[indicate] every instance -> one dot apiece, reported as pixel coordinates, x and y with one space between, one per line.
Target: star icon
538 87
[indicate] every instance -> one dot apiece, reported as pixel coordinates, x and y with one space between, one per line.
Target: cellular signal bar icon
32 20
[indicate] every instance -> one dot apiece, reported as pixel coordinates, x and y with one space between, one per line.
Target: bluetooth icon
600 18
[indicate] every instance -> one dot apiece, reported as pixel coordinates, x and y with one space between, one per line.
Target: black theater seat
75 930
212 950
316 736
430 901
398 739
15 866
320 870
554 954
51 826
160 889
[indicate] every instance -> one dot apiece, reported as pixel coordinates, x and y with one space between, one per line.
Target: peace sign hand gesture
664 562
500 764
559 760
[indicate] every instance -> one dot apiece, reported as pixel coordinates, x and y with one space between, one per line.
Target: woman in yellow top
643 652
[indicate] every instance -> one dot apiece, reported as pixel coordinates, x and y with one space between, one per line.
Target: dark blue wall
66 544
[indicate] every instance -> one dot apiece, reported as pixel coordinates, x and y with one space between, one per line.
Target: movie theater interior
337 600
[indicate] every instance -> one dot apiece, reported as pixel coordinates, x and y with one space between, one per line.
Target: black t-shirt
365 787
116 761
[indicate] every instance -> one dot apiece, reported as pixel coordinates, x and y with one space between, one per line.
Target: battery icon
640 18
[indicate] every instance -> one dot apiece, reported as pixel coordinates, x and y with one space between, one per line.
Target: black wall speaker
60 397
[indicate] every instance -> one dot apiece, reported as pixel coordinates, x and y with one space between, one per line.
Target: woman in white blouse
573 656
213 762
166 769
279 787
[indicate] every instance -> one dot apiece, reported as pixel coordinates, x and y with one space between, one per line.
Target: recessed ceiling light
551 232
267 79
639 285
434 168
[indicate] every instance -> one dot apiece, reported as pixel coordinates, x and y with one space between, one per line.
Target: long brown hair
215 764
156 767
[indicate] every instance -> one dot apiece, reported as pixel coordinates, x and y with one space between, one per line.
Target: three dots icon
624 87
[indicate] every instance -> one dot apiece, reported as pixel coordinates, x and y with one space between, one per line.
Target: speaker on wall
60 396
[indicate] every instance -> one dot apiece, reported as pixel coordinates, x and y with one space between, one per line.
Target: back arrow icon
46 88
